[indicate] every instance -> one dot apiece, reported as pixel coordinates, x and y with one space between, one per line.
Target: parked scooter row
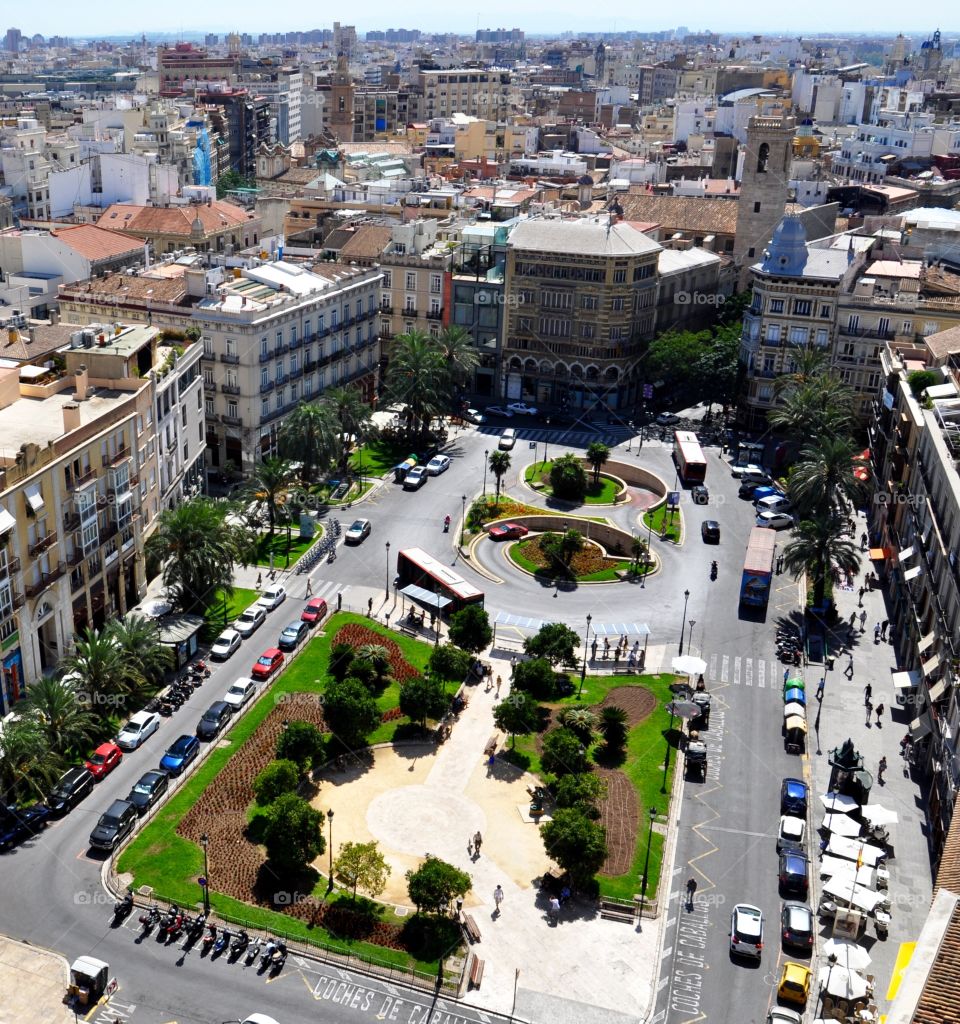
789 646
326 546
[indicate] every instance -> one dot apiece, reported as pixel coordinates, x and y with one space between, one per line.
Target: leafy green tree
105 677
597 455
198 545
311 436
363 865
499 463
576 843
584 791
561 548
302 743
536 677
582 722
66 724
470 629
824 477
378 658
568 478
341 658
817 545
416 376
613 726
518 715
232 179
267 489
423 698
277 778
563 753
449 662
350 711
28 768
920 380
718 373
292 834
435 885
639 550
555 642
138 641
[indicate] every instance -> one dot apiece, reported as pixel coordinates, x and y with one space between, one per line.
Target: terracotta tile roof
97 243
940 346
47 338
368 242
940 997
948 872
172 220
681 213
119 288
337 239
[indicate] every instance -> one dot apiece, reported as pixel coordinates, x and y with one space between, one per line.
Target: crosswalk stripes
742 671
737 661
761 673
611 436
748 671
725 669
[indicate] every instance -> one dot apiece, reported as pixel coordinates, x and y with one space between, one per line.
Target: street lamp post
388 570
583 666
463 516
692 622
330 846
204 841
683 625
486 457
652 813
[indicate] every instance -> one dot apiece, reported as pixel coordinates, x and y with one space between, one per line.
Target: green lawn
515 554
283 557
603 493
656 519
379 457
170 864
219 614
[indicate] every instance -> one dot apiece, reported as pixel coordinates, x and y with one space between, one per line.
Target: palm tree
350 413
597 455
140 647
310 436
818 544
613 725
825 478
582 722
267 485
809 365
416 376
65 723
105 677
378 658
198 542
499 464
28 768
459 354
812 408
638 548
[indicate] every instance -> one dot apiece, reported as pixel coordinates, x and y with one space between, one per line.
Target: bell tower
764 185
340 116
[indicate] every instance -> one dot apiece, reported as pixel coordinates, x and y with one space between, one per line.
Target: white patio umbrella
846 872
839 802
842 824
853 849
688 665
877 814
155 607
842 983
858 896
848 953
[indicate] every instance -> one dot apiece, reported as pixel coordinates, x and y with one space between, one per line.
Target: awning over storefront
426 598
925 642
7 522
907 552
912 573
880 554
920 727
930 664
906 680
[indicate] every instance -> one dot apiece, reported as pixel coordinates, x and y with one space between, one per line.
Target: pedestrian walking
863 590
848 671
879 716
820 687
259 580
369 606
881 768
498 898
853 618
883 629
477 841
513 666
309 587
867 693
499 684
786 675
863 620
616 656
554 910
869 712
863 540
876 633
339 599
691 892
593 650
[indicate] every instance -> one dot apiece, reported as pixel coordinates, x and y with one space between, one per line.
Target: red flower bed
357 635
392 715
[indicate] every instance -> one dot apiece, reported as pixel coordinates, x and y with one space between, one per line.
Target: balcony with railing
385 308
75 557
324 332
295 343
282 379
46 579
9 567
230 389
229 357
209 385
280 349
84 478
41 545
231 421
122 455
296 372
435 314
266 387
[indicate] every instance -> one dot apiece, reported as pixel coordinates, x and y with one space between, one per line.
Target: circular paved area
416 819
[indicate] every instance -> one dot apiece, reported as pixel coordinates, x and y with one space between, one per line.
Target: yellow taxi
794 984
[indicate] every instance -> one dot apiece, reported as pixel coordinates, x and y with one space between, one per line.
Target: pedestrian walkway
33 982
734 670
612 434
843 714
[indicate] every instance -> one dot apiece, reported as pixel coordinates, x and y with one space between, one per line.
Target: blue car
19 823
793 797
177 757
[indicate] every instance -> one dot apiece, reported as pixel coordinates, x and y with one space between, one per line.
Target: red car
103 760
314 611
268 663
507 531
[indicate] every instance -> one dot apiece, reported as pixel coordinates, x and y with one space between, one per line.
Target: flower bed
589 563
357 635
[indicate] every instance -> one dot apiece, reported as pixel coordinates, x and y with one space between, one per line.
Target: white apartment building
26 168
867 154
482 93
694 117
553 164
285 93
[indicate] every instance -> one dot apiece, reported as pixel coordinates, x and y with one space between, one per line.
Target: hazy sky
121 17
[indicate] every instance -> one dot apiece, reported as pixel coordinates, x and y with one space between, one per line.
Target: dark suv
794 874
73 786
115 824
148 790
214 719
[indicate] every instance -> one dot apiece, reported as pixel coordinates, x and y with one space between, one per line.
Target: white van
508 439
754 475
774 503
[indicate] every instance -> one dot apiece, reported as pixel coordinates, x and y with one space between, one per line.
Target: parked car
314 611
103 760
148 789
115 824
473 416
796 925
793 797
268 663
184 749
710 531
794 876
19 823
772 503
240 692
74 785
507 439
751 472
700 495
775 520
438 464
293 635
415 478
781 1015
757 491
141 726
214 720
791 833
497 410
250 620
273 597
794 985
507 531
667 419
226 644
746 931
357 531
522 409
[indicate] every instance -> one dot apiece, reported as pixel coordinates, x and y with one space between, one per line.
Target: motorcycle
279 958
123 907
268 950
446 524
195 928
174 926
223 941
713 570
210 938
150 918
168 918
253 951
239 944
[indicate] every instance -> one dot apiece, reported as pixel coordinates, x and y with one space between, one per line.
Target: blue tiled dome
787 253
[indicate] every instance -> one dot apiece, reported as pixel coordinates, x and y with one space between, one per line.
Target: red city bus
688 455
430 583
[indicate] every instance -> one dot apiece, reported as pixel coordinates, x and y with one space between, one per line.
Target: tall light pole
583 666
204 841
463 516
683 625
692 622
388 569
652 813
330 847
486 457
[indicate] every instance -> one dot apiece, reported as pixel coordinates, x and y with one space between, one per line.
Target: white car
249 621
438 464
667 419
746 930
225 645
781 1015
260 1018
791 832
140 726
773 503
474 416
775 520
241 691
748 471
507 439
357 530
273 597
522 409
497 410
